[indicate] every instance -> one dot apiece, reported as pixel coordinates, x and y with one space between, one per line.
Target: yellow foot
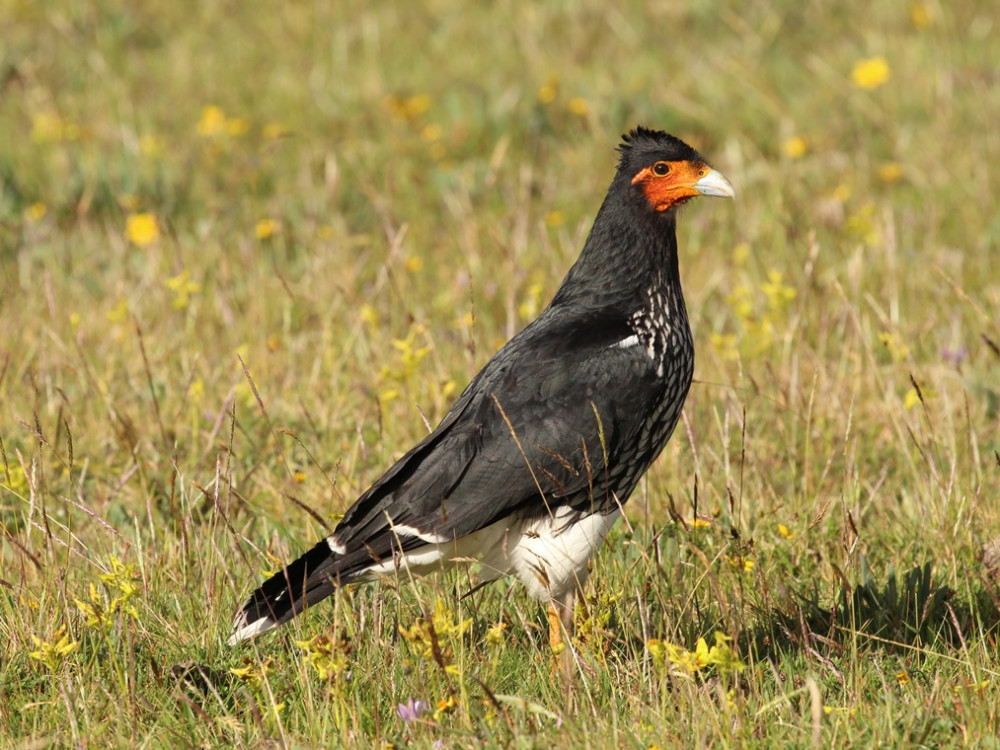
555 629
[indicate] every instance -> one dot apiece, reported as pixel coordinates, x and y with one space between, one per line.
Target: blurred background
365 200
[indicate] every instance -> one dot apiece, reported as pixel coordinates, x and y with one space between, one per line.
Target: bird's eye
661 168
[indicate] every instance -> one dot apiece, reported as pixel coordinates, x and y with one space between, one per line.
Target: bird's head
663 172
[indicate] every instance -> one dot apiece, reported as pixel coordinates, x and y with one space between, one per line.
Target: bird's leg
560 623
560 620
555 627
568 608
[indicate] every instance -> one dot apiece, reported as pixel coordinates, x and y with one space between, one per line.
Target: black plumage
530 467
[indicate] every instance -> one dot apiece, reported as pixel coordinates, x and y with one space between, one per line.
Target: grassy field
249 251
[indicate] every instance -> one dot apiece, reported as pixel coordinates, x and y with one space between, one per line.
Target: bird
530 468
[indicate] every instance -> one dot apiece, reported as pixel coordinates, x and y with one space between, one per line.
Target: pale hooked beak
715 185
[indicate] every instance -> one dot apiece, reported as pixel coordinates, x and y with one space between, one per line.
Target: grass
248 252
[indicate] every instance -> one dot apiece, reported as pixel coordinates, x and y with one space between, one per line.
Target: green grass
431 175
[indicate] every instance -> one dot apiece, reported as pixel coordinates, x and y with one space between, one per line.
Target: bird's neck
627 258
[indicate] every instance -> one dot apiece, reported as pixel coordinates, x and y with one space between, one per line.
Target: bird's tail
308 580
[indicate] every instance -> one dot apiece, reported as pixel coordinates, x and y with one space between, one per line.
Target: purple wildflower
411 710
954 356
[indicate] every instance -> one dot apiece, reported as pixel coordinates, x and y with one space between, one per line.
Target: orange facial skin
670 183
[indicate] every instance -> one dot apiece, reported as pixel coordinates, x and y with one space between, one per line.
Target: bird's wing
530 434
532 431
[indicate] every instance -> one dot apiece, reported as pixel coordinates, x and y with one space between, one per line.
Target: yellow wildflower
445 706
252 673
442 627
101 608
795 147
266 228
547 93
578 106
740 562
183 288
785 531
841 193
15 479
870 73
723 656
658 650
122 577
118 313
327 656
96 613
688 661
741 301
914 397
531 304
418 104
777 292
53 654
212 122
895 345
37 211
142 229
368 315
720 655
494 636
890 171
448 388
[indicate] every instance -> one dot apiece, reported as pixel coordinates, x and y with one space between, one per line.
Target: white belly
550 560
552 564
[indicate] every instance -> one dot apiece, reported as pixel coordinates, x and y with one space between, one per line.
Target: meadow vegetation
250 252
